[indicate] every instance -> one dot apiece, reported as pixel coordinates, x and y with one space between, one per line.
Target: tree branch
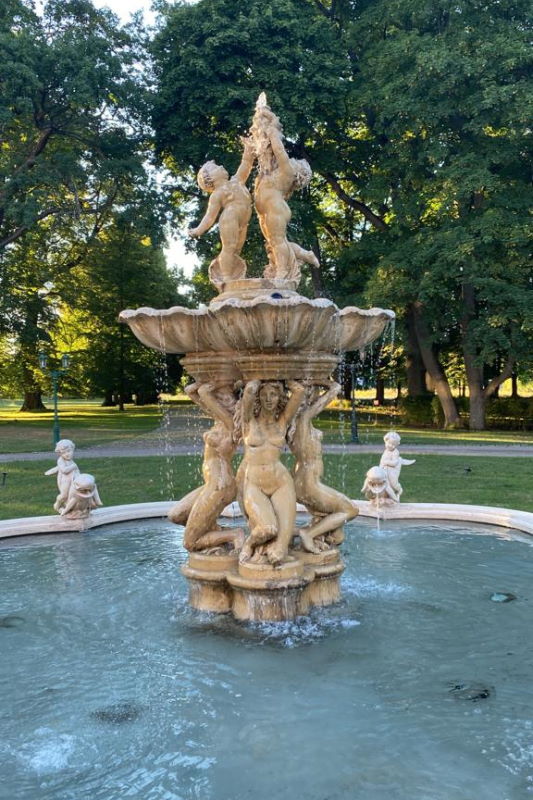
504 375
322 8
22 229
367 213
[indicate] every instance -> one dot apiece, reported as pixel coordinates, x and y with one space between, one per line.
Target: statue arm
279 151
206 393
325 399
52 471
247 161
248 400
210 217
192 391
295 400
66 469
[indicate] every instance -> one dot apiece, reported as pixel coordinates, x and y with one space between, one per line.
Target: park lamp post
55 374
353 415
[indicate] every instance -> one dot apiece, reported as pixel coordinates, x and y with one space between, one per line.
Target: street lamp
355 433
55 374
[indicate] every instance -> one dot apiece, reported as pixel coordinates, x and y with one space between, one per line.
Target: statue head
226 396
302 173
392 440
208 175
65 448
271 398
375 481
83 485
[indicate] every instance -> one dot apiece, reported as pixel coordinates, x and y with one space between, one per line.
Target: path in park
181 431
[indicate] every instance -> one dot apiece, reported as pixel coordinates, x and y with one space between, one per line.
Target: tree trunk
33 401
514 386
415 369
380 392
436 372
478 392
109 400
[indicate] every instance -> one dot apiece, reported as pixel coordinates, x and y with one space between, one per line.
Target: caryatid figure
268 488
200 509
329 508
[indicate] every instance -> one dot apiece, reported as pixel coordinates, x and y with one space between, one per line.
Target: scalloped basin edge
488 515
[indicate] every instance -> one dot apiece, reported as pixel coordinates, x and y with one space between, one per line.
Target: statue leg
179 513
284 502
262 519
204 514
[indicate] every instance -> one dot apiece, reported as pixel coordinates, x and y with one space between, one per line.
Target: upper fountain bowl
261 324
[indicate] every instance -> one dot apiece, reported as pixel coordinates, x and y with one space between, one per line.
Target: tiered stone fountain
262 357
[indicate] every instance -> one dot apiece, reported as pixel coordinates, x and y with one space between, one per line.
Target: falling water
166 466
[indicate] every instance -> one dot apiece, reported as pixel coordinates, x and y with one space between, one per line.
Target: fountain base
260 592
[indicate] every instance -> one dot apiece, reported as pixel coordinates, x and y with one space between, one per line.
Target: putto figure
392 463
66 470
278 177
230 202
269 496
329 508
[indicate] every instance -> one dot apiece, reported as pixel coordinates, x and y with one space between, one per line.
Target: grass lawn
337 429
85 423
440 479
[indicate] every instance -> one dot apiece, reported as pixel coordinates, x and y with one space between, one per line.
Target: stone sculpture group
382 484
278 177
77 491
261 357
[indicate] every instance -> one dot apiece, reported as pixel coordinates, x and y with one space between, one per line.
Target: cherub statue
65 470
82 498
230 202
268 487
329 508
376 487
392 462
200 509
278 177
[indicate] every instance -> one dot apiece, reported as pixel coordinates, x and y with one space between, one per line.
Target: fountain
115 687
261 357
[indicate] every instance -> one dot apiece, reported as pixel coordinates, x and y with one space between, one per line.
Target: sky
175 252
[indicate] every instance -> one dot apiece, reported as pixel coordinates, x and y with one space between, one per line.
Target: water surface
417 686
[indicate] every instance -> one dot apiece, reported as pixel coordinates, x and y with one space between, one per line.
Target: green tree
75 143
414 117
124 270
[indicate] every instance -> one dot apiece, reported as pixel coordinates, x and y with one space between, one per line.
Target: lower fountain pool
417 685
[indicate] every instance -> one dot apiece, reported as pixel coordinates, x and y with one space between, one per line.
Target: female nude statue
330 509
200 509
279 176
269 497
232 201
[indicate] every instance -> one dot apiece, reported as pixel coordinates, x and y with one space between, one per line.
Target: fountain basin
114 669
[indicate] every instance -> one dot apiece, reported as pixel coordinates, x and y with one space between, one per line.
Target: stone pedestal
325 589
262 593
208 587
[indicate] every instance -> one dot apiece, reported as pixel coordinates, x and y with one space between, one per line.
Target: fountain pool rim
521 521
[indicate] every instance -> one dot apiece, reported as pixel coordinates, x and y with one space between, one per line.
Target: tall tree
73 126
